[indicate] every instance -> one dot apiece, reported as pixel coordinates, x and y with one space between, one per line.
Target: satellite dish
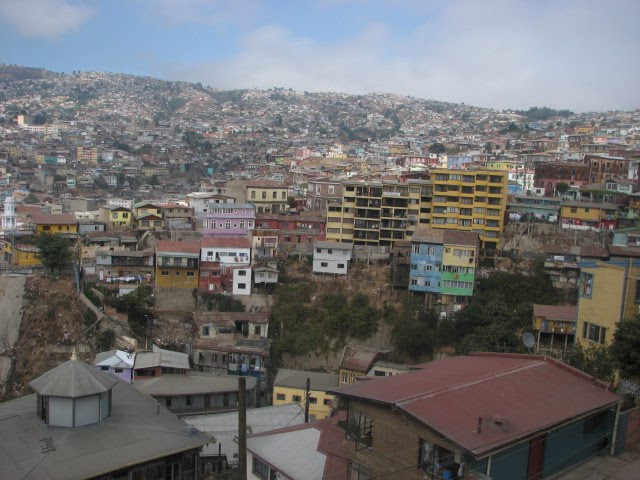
528 339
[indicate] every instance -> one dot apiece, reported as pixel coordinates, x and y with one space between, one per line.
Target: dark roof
73 379
229 318
221 242
515 395
138 431
445 237
620 251
567 313
358 359
54 219
298 379
178 247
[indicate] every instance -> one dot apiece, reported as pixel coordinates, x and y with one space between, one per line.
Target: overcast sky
578 54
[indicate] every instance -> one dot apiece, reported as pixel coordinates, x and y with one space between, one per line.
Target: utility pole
242 428
306 401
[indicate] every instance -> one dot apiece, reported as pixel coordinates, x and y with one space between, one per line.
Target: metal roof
358 359
73 379
115 358
568 313
298 379
138 431
516 396
224 426
160 357
193 384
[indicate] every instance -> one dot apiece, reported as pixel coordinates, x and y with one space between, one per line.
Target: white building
331 257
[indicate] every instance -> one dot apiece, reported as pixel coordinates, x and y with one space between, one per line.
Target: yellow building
471 200
177 264
379 213
21 255
115 216
55 223
290 386
588 215
267 196
608 292
585 130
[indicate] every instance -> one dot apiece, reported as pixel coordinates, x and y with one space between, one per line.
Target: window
167 402
104 368
188 400
431 457
586 285
324 264
260 469
341 265
242 224
360 428
284 195
257 330
574 210
594 333
164 273
191 274
313 400
177 274
242 273
297 398
253 194
205 331
281 396
355 471
331 189
594 423
264 195
242 286
119 370
326 402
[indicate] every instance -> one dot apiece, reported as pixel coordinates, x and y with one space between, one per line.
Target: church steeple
9 214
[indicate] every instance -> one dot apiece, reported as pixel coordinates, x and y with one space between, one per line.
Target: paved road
11 292
624 467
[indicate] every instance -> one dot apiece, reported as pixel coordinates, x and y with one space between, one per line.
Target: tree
53 251
625 348
437 148
31 198
562 187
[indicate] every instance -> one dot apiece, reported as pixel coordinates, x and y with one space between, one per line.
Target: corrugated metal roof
160 357
169 246
358 359
54 219
224 426
220 242
515 395
567 313
73 379
193 384
115 358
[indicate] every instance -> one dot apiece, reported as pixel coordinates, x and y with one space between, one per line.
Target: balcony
192 264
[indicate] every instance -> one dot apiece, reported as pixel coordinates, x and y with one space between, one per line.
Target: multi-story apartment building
229 220
267 196
177 265
443 266
473 200
322 192
87 155
379 213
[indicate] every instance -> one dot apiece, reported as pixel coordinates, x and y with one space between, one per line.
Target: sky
583 55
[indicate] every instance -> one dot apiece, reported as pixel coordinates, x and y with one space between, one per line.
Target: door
536 457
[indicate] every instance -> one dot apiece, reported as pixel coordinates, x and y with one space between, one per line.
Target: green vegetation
302 324
417 332
137 306
222 303
595 360
625 348
105 340
31 199
501 309
543 113
53 251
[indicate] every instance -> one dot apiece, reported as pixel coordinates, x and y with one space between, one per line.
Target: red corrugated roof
358 359
222 242
568 313
171 246
527 393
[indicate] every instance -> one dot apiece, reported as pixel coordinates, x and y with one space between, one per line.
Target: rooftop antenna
528 340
